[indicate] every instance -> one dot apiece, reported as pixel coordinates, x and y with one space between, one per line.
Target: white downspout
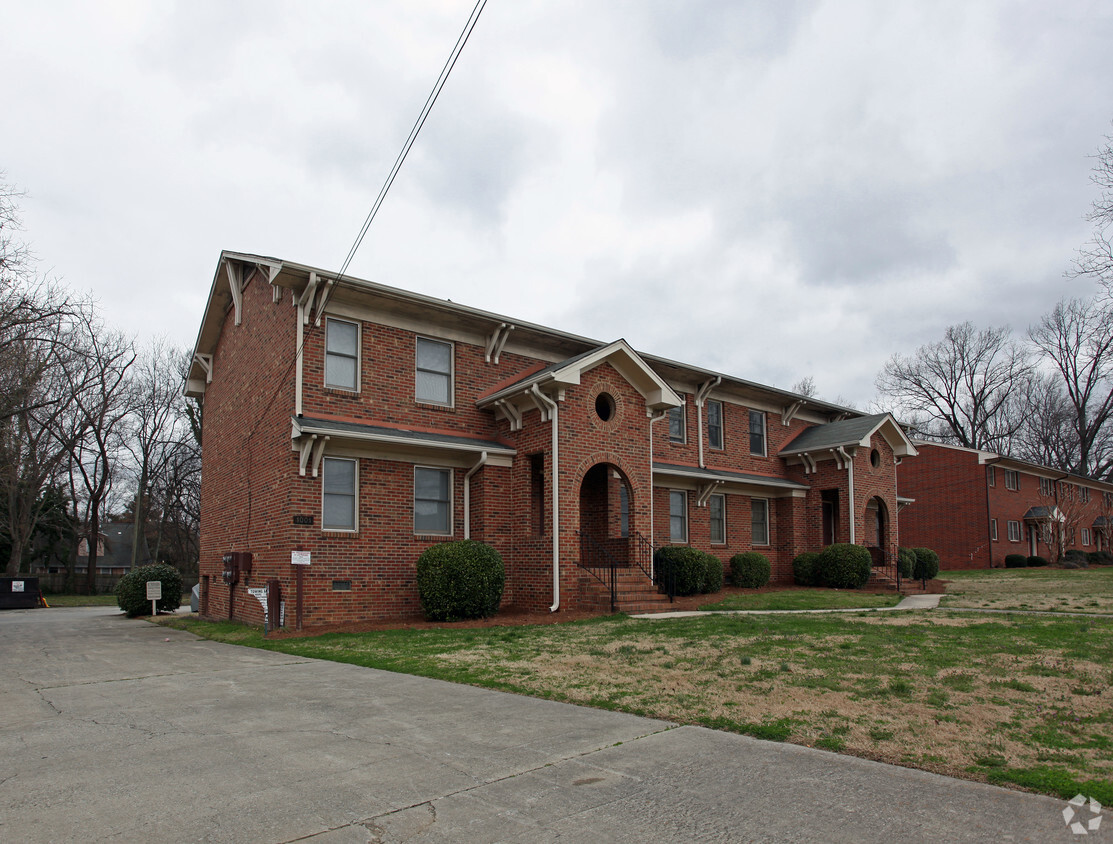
553 418
850 487
467 493
701 397
654 417
298 352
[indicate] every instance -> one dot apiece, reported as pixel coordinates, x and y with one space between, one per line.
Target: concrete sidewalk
909 602
119 730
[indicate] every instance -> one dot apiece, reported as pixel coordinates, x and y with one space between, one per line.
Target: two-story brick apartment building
350 425
976 507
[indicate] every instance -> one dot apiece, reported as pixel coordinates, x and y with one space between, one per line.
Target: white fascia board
402 442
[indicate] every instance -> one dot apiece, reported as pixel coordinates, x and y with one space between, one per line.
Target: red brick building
352 425
976 507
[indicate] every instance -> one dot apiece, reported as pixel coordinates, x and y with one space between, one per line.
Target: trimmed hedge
687 565
131 590
803 568
1035 562
906 561
1015 561
843 566
713 574
750 570
458 580
1099 558
926 566
1075 555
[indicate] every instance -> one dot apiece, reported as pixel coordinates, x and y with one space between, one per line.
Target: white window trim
359 355
673 539
1015 477
723 498
1010 526
451 501
722 425
355 496
991 475
1085 536
993 530
1084 494
683 411
451 372
764 433
1045 486
768 539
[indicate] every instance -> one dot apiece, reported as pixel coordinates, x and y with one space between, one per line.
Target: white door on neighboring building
1032 540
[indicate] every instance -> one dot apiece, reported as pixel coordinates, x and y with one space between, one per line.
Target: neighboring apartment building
976 507
352 425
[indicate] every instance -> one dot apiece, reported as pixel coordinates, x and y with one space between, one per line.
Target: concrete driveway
118 730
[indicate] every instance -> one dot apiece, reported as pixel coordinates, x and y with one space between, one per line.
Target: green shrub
1035 562
687 565
1075 555
713 577
803 568
926 566
1015 561
1099 558
843 566
458 580
750 570
131 590
906 562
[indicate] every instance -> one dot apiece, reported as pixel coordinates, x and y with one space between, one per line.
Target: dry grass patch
1041 589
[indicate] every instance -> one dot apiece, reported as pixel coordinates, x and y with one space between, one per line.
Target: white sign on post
299 558
154 594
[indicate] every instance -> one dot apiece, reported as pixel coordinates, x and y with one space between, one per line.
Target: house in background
350 425
114 546
976 507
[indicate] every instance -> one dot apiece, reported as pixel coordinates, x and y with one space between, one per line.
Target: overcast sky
773 189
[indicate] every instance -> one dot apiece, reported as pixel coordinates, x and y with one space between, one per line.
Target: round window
875 459
604 406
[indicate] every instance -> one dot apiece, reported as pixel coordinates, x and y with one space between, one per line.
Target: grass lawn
81 600
804 599
1046 589
1007 699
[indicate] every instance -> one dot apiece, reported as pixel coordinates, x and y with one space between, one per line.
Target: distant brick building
355 425
976 507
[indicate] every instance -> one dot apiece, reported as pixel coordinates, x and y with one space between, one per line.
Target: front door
1032 539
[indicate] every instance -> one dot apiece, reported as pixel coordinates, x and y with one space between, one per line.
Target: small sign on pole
300 558
154 594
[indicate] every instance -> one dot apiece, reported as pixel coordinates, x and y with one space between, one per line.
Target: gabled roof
1041 513
619 354
851 432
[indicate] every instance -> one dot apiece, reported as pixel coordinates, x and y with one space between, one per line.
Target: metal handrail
666 581
610 566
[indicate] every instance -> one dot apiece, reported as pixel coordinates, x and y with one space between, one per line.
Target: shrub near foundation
713 574
750 570
458 580
843 566
926 566
906 562
1015 561
686 564
803 568
131 591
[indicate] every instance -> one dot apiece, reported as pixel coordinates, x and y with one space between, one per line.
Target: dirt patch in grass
1038 589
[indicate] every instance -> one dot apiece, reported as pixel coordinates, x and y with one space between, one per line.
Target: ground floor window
678 516
717 510
1085 536
993 529
338 490
432 500
1014 531
759 521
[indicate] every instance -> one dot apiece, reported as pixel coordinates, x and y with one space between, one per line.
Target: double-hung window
676 424
432 501
991 474
1085 536
1014 531
341 354
993 529
678 516
757 432
759 521
338 485
717 513
1012 479
715 424
1045 486
434 372
1084 493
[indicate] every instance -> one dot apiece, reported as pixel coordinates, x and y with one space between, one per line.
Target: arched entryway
877 530
606 501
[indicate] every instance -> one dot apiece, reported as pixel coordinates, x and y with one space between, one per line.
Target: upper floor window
757 432
434 371
432 500
991 475
676 424
678 516
1012 479
338 491
717 511
1045 486
1084 493
715 424
341 354
759 521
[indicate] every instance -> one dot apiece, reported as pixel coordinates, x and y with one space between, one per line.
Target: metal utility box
19 593
236 563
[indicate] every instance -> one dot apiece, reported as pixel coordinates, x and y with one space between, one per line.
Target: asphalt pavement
119 730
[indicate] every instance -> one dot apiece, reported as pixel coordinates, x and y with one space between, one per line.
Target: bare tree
1095 259
805 387
961 389
1047 436
1076 338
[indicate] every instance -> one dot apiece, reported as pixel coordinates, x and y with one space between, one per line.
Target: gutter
543 399
850 487
656 417
467 493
